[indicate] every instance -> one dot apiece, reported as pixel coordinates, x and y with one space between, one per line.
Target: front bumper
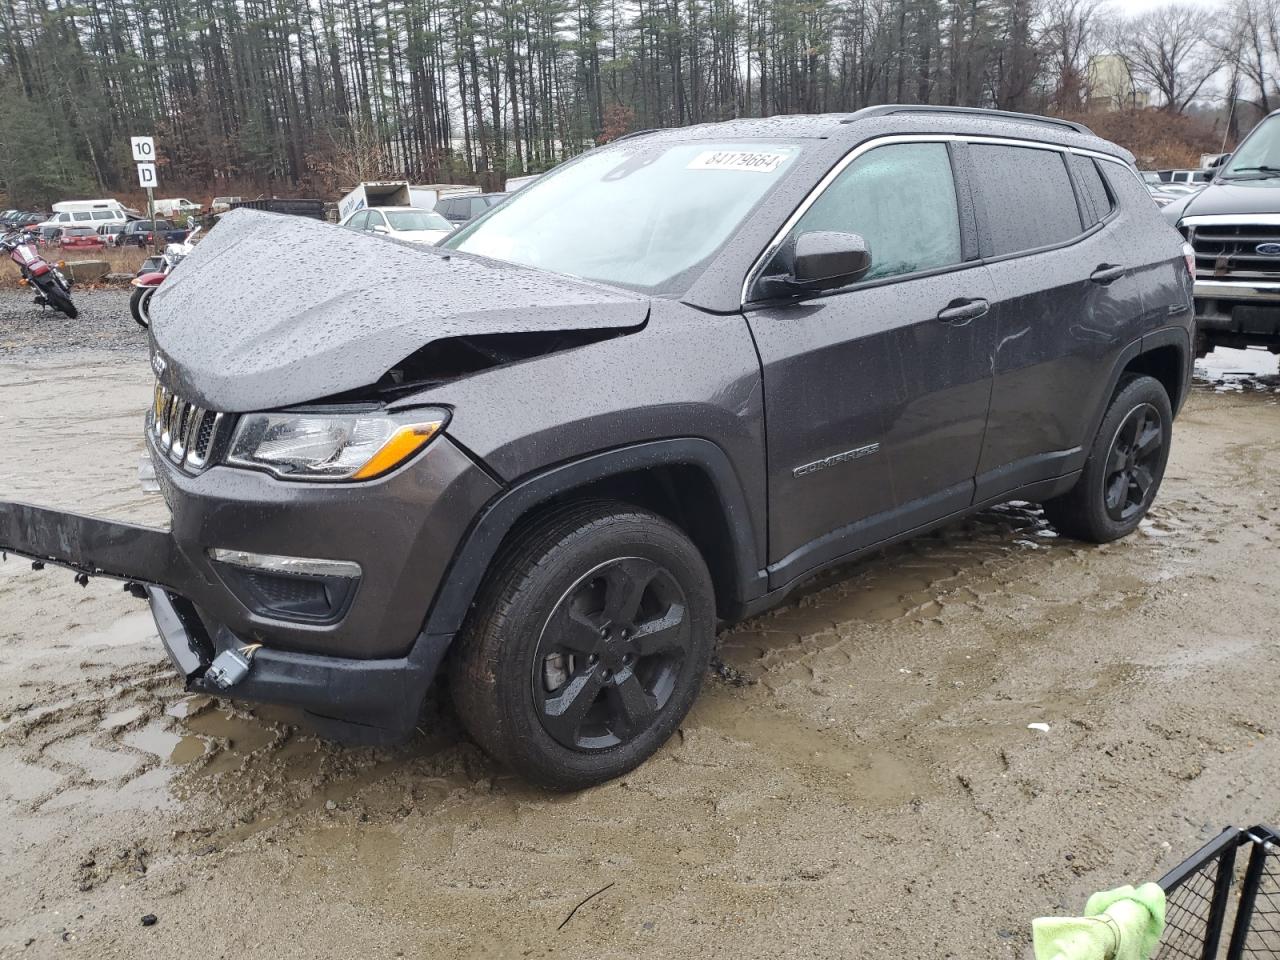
371 664
368 701
1238 309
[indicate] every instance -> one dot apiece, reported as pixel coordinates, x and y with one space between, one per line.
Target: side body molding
472 561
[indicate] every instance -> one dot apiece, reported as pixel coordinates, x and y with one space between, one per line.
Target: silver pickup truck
1234 225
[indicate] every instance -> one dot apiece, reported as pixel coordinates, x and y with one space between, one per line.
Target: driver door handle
1107 273
960 312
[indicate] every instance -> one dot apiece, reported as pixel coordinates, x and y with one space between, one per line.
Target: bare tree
1253 49
1172 48
1070 34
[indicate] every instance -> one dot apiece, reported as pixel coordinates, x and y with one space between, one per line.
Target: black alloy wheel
609 655
587 644
1133 463
1126 462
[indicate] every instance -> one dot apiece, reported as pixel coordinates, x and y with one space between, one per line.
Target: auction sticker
751 160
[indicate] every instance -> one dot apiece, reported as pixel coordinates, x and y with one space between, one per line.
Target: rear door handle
960 312
1107 273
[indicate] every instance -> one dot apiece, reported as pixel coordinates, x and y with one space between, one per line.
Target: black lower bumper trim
376 699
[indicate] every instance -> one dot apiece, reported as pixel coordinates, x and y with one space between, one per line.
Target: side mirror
380 229
827 260
1219 161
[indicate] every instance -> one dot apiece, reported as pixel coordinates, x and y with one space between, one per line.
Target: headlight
331 446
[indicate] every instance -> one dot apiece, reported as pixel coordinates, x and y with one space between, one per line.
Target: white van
177 207
90 213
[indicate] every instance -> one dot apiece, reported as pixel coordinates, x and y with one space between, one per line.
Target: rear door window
1097 201
901 199
84 215
1025 198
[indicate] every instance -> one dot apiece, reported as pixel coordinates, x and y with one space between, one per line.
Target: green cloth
1121 924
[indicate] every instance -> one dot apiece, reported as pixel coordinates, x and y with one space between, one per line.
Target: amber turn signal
400 446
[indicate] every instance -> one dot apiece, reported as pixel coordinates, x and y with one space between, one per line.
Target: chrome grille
183 431
1230 251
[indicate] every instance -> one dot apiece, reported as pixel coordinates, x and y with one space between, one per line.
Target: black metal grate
1261 894
1188 915
1214 909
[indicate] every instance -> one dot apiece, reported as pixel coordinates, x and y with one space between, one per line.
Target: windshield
1258 158
417 220
636 215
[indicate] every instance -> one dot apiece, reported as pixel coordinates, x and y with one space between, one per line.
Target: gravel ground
873 791
104 323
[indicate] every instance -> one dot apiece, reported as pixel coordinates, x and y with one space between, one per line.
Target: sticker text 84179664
750 160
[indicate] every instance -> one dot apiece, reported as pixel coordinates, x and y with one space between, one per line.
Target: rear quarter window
1128 189
1025 197
1096 198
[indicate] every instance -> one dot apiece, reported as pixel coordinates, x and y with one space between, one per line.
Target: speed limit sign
144 149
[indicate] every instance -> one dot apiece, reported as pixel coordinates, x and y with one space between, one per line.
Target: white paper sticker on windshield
756 161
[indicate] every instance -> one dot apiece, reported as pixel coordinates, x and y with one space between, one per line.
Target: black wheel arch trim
1180 338
1176 336
473 557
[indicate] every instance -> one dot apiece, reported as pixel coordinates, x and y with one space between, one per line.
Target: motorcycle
152 274
52 288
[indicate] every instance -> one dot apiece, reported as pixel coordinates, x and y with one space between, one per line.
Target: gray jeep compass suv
649 394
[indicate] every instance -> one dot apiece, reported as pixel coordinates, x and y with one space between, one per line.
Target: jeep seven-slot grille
184 432
1230 251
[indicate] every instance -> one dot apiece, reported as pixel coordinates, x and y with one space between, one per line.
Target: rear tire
587 646
1125 466
140 305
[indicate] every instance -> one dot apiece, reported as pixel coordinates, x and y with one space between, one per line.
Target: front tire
1125 466
587 646
140 305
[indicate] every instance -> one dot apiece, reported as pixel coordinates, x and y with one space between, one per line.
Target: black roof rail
628 136
891 109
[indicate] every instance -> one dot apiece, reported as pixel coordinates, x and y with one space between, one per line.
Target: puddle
1229 369
174 748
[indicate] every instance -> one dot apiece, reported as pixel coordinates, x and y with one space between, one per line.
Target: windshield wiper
1262 172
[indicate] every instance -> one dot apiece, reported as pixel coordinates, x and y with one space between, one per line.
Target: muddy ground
874 792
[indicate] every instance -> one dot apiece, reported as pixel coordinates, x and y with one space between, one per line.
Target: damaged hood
273 310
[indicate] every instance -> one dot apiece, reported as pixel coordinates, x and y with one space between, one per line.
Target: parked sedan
79 238
402 223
